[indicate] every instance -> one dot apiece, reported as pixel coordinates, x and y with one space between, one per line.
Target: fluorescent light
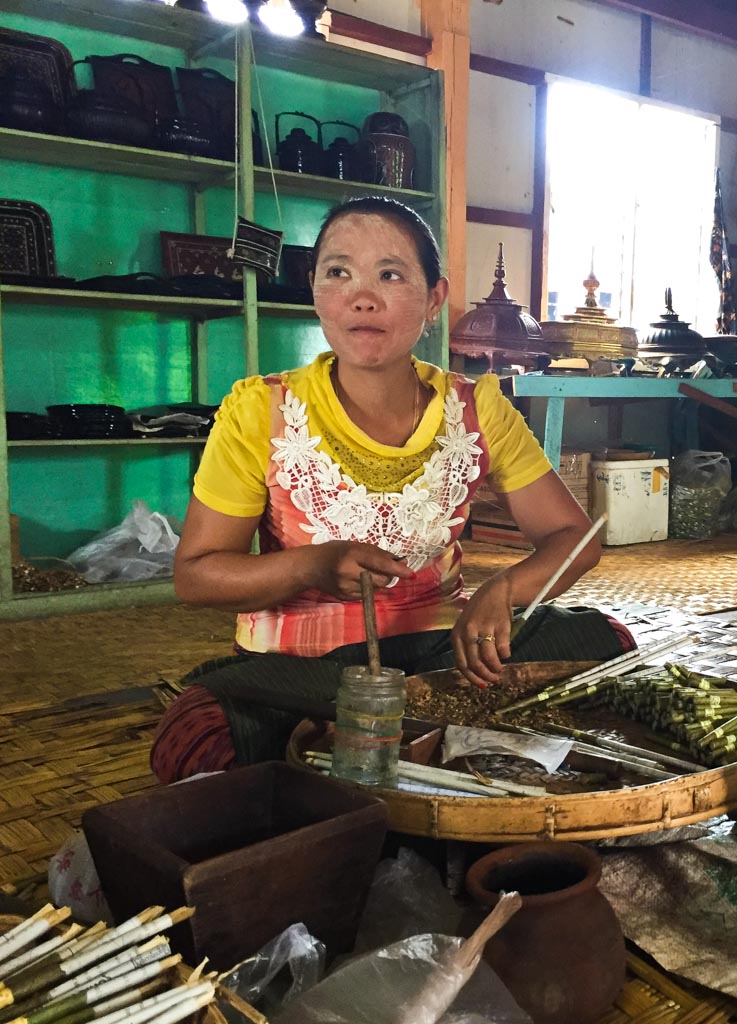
280 18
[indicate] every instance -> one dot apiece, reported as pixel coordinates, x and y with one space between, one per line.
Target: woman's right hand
338 564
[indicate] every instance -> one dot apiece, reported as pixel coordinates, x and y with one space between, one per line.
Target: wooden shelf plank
319 187
172 305
136 19
86 154
331 61
287 309
86 442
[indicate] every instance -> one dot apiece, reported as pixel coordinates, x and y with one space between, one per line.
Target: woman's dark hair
427 248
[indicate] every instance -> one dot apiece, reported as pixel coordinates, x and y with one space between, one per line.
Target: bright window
631 183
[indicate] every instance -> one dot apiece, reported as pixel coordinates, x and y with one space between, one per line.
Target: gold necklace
416 415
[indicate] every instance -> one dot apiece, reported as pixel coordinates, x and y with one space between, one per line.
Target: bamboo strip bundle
444 778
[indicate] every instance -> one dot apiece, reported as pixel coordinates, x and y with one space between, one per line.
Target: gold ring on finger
487 638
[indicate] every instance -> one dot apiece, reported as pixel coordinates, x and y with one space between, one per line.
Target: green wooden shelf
136 19
337 63
177 306
206 353
287 310
108 158
319 187
86 442
86 154
201 35
87 599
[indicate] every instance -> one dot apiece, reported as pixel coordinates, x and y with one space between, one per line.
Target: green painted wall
110 224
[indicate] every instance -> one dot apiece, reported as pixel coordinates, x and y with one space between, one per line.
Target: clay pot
562 954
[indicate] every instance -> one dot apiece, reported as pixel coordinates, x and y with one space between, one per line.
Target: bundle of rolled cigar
101 974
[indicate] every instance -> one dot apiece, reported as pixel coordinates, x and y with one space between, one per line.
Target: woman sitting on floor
366 459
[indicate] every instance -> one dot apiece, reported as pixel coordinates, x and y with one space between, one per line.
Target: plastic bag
140 548
74 882
699 483
374 988
728 513
259 979
407 897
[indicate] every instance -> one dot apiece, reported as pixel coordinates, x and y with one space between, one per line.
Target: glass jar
368 726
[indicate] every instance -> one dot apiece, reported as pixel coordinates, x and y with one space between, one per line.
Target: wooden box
254 850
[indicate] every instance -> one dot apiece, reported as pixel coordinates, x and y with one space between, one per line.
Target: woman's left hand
481 636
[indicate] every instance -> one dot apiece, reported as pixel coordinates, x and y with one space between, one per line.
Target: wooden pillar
446 23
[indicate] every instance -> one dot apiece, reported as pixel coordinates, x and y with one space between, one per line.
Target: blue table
558 389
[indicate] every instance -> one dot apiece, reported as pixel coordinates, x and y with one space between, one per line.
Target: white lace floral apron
313 500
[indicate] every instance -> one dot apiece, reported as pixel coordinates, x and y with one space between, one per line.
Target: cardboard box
634 495
254 850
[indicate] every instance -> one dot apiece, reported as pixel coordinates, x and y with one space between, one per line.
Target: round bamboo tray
571 816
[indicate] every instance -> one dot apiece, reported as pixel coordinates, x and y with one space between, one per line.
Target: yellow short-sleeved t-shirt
232 475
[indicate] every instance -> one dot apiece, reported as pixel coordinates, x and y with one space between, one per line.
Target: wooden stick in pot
369 618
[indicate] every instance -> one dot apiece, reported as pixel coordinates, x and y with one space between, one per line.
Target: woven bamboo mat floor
698 577
78 715
650 996
78 712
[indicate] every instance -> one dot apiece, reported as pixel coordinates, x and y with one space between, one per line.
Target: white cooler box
634 495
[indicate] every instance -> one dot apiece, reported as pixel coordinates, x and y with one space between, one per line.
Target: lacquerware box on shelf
253 850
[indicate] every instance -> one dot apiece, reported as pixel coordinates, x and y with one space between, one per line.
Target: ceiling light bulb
234 12
280 18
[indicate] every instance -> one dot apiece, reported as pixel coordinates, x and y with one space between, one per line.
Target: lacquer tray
26 240
198 254
40 59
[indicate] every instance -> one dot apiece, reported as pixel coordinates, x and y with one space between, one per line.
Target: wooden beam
538 274
505 69
706 17
448 25
378 35
502 218
646 55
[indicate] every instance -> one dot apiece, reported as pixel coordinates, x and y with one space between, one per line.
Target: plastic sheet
375 989
407 897
140 548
